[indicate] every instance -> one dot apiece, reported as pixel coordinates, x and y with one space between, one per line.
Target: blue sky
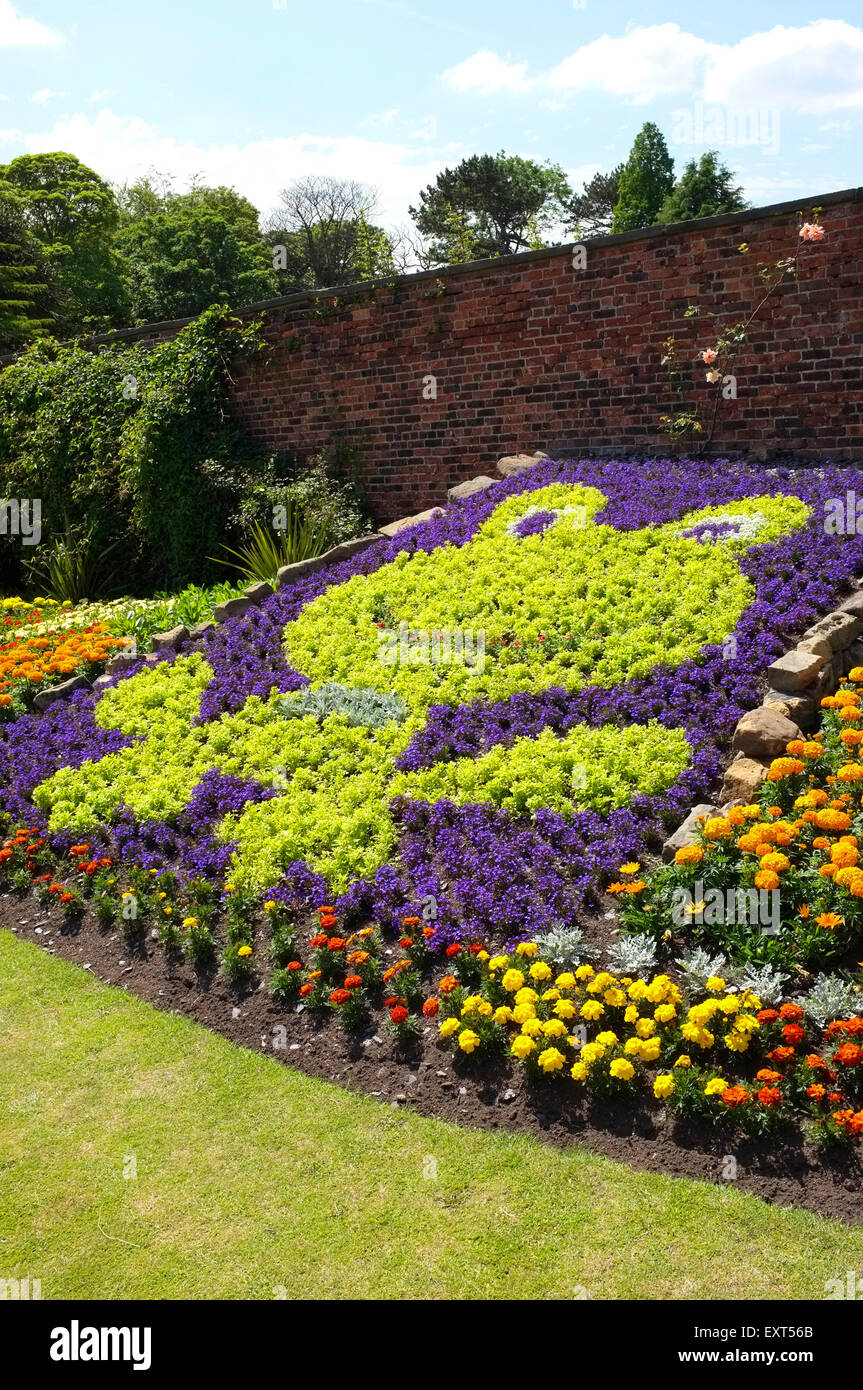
254 94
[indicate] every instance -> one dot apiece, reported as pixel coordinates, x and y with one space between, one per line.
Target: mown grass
254 1181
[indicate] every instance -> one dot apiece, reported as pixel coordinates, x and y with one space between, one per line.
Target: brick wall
529 353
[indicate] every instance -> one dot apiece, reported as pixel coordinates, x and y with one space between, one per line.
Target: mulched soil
785 1171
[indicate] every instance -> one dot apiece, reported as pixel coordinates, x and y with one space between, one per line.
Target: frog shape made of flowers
543 596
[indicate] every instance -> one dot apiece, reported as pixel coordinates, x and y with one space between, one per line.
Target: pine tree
22 288
646 181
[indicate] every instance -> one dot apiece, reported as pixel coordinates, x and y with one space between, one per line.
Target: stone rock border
799 680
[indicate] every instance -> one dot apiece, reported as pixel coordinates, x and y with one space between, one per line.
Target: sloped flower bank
458 735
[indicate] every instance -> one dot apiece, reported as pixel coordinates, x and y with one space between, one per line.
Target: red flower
319 940
353 981
336 943
399 1013
735 1095
475 948
392 1001
767 1016
816 1092
340 996
453 950
768 1095
306 989
793 1033
792 1013
406 943
781 1054
294 965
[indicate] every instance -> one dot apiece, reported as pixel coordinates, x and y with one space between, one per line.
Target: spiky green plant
268 549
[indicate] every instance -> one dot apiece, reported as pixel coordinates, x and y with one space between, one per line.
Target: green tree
591 212
184 252
73 214
23 282
491 205
704 189
646 181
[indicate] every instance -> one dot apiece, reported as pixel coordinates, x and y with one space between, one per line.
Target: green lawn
251 1178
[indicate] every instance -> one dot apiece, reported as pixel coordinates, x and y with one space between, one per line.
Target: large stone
393 527
55 693
853 604
231 608
470 487
742 779
517 463
795 671
816 646
118 661
800 708
258 592
169 641
763 733
687 833
289 574
201 629
839 629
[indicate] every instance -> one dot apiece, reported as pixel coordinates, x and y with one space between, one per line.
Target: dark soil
785 1170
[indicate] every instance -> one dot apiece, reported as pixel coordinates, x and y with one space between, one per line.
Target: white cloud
812 68
427 131
18 32
643 64
100 95
46 94
815 68
486 73
121 148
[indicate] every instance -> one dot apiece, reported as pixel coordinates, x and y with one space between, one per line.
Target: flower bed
471 727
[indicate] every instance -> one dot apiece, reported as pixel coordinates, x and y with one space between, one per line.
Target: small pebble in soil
235 1013
295 1047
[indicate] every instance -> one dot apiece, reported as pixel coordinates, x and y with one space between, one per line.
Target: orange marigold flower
735 1095
448 984
431 1007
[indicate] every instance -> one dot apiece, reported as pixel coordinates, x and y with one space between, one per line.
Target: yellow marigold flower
621 1069
633 1046
190 921
777 862
665 1013
730 1004
512 981
242 950
471 1004
540 971
554 1028
784 767
746 1023
683 1061
716 828
631 1014
550 995
645 1027
737 1042
564 1008
591 1052
551 1060
715 984
615 998
482 955
448 1027
584 972
689 854
526 948
468 1040
637 990
663 1086
270 905
532 1027
715 1087
566 980
766 880
484 1009
522 1012
650 1050
591 1010
606 1039
522 1047
578 1071
502 1015
498 962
